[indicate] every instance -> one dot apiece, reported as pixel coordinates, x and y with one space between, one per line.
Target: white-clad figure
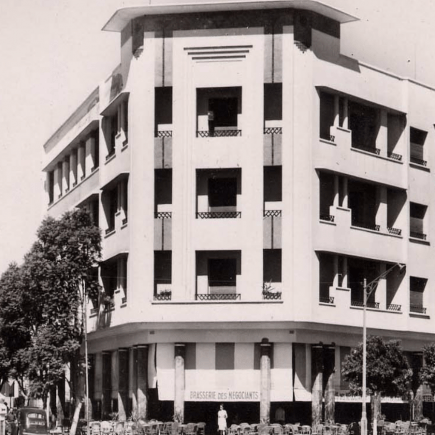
222 420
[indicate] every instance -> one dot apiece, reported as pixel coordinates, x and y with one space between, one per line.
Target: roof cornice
123 16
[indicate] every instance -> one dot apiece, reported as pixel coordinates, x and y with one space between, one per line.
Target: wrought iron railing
417 309
218 133
394 156
373 227
218 214
163 133
272 213
218 296
273 130
163 215
372 150
272 295
417 235
109 230
395 231
418 161
163 296
394 307
326 299
327 217
125 221
361 304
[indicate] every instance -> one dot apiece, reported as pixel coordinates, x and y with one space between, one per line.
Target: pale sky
53 54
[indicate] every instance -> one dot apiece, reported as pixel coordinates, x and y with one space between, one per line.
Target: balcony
218 214
326 300
218 296
365 162
373 305
218 133
416 235
417 161
394 307
367 226
419 309
164 295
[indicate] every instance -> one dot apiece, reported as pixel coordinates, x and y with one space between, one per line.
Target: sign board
222 396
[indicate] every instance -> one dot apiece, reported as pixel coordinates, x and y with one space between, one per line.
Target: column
142 381
344 272
345 113
123 361
382 137
345 192
328 373
317 388
336 191
179 381
381 289
106 405
73 168
381 213
336 110
57 182
65 174
89 160
81 167
98 385
134 379
336 272
265 349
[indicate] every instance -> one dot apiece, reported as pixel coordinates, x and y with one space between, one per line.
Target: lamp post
368 290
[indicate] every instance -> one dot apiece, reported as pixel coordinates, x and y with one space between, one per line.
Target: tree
427 371
388 371
50 299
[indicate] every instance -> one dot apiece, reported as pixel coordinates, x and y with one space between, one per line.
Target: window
95 151
416 293
417 139
162 271
111 207
363 121
222 272
222 192
272 102
59 178
224 356
218 110
50 187
417 220
163 110
163 191
327 113
272 266
272 184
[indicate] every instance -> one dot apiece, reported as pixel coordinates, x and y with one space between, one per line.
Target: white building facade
247 178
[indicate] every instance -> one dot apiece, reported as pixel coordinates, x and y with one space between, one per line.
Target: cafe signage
222 395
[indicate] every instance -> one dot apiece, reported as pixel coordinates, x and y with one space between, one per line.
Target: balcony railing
218 133
373 227
327 217
395 231
395 156
268 296
418 161
163 133
372 150
111 154
326 299
218 214
163 215
368 305
394 307
272 213
416 235
125 221
110 230
218 296
273 130
417 309
163 296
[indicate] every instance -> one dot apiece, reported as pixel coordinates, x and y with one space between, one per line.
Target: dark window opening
162 271
417 140
363 121
222 272
273 101
272 270
272 183
326 115
224 356
50 187
162 188
109 277
416 291
96 153
162 108
222 192
417 213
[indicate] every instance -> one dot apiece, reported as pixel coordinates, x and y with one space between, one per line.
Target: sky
53 54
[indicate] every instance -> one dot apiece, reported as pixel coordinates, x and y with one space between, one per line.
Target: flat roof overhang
123 16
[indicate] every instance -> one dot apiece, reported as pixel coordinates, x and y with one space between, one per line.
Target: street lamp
368 290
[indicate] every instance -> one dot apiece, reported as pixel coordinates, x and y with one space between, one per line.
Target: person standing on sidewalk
222 420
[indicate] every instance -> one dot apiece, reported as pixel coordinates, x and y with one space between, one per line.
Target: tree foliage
387 372
41 302
427 372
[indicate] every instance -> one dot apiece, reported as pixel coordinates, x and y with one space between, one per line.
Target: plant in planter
269 292
164 295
